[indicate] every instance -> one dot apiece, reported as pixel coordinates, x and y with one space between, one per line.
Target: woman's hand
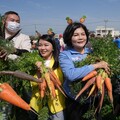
39 66
102 64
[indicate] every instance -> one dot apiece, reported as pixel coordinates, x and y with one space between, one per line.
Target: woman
49 52
76 37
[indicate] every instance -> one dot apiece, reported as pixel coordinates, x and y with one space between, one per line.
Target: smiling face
79 39
46 49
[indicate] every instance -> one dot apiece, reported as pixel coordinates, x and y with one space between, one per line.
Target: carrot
87 85
57 85
49 84
108 84
92 90
82 19
99 81
20 75
60 89
110 97
109 88
53 90
56 78
8 94
90 75
42 87
101 99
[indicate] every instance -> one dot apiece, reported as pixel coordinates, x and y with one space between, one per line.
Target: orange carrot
92 90
53 90
99 81
109 88
108 84
56 78
42 87
101 99
82 19
110 97
90 75
87 85
8 94
49 84
57 85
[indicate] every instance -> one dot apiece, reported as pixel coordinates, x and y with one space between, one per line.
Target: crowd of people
59 53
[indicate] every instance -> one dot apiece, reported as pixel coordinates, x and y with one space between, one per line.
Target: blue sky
43 14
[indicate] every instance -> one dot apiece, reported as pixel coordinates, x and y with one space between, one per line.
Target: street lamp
105 26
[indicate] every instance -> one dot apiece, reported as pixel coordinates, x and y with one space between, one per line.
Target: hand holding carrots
102 64
50 81
39 66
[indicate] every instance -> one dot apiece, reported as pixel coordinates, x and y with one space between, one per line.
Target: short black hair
69 31
8 13
50 39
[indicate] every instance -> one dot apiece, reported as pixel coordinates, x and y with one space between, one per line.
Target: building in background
102 31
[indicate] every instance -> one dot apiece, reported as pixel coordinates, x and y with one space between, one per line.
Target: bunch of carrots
49 83
99 82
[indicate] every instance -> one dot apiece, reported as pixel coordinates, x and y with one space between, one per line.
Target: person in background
49 52
117 90
33 45
51 33
12 31
62 44
76 37
117 41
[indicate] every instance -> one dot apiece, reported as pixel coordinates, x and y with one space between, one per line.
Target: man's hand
3 54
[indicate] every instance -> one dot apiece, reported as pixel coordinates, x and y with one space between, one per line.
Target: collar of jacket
72 50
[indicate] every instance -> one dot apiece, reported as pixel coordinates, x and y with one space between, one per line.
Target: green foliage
43 113
106 111
50 29
7 46
1 118
89 115
84 16
67 18
26 62
105 49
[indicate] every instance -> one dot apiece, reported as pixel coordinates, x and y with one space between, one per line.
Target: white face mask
13 26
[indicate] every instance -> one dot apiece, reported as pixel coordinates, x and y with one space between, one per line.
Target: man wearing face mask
11 31
22 43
